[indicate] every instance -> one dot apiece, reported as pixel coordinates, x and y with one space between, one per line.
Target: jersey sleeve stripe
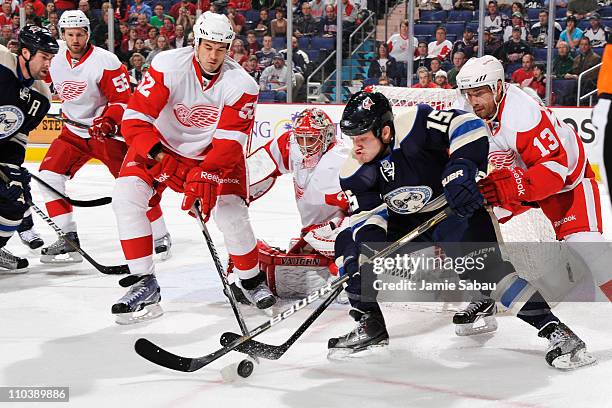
556 168
133 114
374 220
231 135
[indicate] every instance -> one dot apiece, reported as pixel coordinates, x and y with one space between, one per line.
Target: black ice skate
477 318
566 351
10 263
370 334
162 247
140 303
61 252
31 238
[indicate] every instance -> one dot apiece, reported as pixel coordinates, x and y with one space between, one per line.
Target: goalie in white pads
313 156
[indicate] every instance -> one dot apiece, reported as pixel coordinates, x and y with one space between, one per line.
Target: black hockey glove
460 189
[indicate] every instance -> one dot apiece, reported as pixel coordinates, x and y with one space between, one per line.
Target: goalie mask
314 133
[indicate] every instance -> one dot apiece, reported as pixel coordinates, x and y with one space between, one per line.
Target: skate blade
13 271
487 324
163 255
568 362
69 257
148 312
376 351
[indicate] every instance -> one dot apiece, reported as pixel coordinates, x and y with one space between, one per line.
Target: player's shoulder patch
42 88
357 176
173 60
105 59
521 112
236 79
8 60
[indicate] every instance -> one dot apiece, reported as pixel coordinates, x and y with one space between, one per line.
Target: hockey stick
108 270
81 125
159 356
77 203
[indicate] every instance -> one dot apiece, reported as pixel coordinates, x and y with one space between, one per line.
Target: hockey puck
245 368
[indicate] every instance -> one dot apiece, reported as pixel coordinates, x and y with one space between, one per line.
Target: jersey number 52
146 84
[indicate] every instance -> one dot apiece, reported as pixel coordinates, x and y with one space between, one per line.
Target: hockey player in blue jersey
406 162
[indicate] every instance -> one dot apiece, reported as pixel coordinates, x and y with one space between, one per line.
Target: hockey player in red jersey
94 88
537 158
313 156
186 126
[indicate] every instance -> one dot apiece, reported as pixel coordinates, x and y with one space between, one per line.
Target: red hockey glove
201 185
505 186
103 127
170 172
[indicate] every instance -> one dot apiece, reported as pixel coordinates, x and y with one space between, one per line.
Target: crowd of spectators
520 43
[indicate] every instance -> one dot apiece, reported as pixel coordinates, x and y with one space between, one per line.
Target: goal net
530 259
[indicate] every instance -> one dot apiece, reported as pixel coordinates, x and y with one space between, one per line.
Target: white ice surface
56 329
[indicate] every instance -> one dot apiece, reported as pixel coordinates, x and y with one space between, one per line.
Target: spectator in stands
518 7
398 44
492 44
160 45
493 20
252 67
440 47
168 29
517 20
572 34
349 15
278 26
184 19
52 19
54 32
581 8
238 52
274 79
424 77
435 65
441 79
13 46
305 24
513 50
5 13
263 25
317 9
534 4
127 43
30 15
538 34
458 62
238 21
49 8
180 38
124 29
137 60
138 7
174 10
296 6
383 63
151 40
525 71
142 27
252 46
384 81
464 5
139 47
157 20
265 54
597 34
537 81
421 59
100 33
62 5
243 5
121 9
38 8
584 60
300 65
6 34
467 44
15 24
563 61
327 25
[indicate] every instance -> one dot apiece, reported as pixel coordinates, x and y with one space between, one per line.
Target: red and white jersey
439 50
189 114
398 47
529 135
318 194
97 84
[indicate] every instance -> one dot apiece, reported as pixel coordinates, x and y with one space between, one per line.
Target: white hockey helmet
484 71
74 19
213 27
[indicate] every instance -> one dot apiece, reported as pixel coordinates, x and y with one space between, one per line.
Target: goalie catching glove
203 186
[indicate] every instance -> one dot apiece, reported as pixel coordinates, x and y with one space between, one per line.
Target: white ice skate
10 263
260 295
566 351
31 238
477 318
61 252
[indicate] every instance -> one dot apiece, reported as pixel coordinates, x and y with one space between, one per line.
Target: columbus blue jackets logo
11 119
406 200
367 103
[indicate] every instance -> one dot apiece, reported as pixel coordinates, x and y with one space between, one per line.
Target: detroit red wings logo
502 159
70 90
200 116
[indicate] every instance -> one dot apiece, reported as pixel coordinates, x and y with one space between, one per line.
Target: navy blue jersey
23 105
409 174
